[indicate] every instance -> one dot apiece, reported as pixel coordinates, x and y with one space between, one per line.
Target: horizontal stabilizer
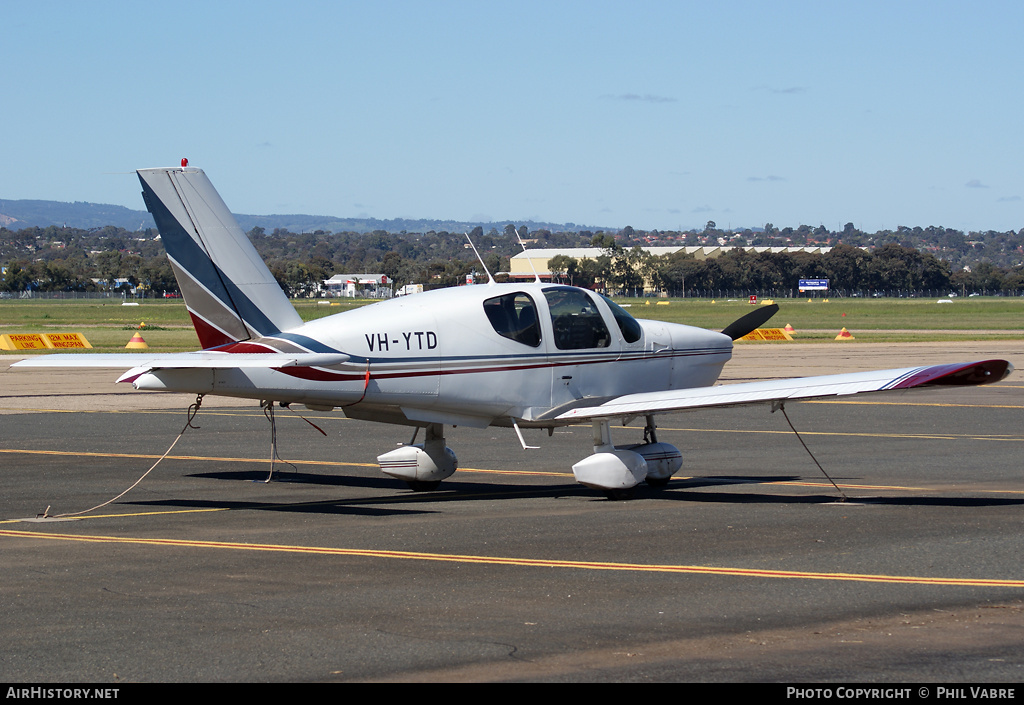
196 360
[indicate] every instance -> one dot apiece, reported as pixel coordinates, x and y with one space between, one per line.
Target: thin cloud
770 177
1007 199
975 183
789 90
636 97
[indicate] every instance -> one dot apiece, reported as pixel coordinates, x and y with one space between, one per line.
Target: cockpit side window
575 319
514 316
631 329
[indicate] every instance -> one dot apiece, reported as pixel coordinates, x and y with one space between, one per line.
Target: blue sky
652 114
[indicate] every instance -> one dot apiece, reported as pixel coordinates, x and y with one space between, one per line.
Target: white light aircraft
515 355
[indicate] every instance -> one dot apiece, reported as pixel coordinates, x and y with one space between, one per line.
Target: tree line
891 267
69 259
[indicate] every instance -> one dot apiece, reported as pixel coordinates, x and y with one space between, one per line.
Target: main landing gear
617 470
424 465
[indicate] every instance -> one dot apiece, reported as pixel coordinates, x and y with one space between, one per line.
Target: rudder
229 291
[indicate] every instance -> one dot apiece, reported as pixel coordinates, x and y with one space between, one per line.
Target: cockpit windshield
575 320
631 330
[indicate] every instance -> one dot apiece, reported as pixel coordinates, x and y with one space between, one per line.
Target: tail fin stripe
209 277
195 261
205 306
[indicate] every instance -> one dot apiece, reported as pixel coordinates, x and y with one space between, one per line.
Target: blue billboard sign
814 285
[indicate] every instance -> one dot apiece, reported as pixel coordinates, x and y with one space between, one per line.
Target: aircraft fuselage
457 356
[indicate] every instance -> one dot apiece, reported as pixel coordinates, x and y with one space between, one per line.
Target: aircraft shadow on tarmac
402 500
328 506
398 494
390 484
680 490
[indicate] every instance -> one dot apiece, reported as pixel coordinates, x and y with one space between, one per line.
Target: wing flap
971 373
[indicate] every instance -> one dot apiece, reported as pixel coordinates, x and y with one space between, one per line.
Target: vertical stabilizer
229 292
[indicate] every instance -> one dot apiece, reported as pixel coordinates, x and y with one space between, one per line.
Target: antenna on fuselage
490 279
536 277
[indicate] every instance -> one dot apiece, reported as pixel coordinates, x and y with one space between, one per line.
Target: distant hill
16 215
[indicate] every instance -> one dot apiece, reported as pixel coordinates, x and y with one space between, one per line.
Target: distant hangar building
523 265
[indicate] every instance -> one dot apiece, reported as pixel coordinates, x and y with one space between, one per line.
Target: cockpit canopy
576 320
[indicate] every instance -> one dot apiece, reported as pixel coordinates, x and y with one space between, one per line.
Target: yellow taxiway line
531 473
521 562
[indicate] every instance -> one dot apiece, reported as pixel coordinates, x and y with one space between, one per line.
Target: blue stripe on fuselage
311 344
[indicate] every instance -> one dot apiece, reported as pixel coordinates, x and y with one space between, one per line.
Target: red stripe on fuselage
324 375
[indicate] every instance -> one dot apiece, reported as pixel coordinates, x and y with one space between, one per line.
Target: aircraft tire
620 495
423 485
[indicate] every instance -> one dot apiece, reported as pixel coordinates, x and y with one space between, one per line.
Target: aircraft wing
168 361
970 373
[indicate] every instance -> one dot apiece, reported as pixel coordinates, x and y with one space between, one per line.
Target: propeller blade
752 321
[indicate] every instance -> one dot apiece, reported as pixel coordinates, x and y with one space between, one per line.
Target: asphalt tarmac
749 567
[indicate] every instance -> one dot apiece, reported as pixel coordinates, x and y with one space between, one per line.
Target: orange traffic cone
136 343
845 335
789 329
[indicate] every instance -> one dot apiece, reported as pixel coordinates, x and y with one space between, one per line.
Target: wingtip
966 374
